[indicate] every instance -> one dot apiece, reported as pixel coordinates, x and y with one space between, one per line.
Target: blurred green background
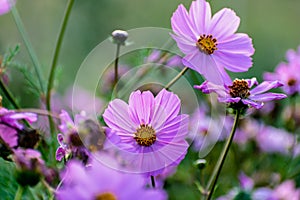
273 25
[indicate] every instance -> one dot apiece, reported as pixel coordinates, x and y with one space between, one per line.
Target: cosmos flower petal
256 105
271 76
229 100
9 135
167 106
194 60
31 117
181 24
267 97
141 107
238 43
251 82
66 120
60 153
185 45
224 23
116 116
161 156
205 65
175 129
6 5
265 86
234 62
200 8
208 87
60 138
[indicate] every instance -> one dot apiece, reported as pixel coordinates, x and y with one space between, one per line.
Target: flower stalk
176 78
28 46
55 59
19 193
153 181
214 178
8 95
116 64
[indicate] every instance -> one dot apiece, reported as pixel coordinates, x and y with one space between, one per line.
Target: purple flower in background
107 78
69 140
164 58
30 166
293 56
210 44
286 191
78 99
285 73
274 140
10 125
100 182
247 130
238 93
204 131
148 130
80 137
5 6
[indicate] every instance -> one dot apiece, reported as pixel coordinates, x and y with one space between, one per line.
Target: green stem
28 46
176 78
153 181
116 64
19 193
214 178
55 59
8 95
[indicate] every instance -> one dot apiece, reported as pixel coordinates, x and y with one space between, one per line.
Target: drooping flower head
5 6
100 182
75 135
30 166
210 44
148 130
287 73
239 94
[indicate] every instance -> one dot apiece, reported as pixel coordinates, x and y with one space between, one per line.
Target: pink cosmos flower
10 125
274 140
286 191
5 6
148 131
210 44
100 182
285 73
238 93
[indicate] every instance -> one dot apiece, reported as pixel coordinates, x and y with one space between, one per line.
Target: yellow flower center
207 44
145 135
106 196
239 88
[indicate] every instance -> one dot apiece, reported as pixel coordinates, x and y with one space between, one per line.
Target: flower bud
119 36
